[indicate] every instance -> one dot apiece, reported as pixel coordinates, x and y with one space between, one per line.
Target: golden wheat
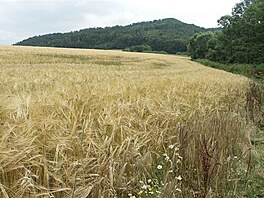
90 123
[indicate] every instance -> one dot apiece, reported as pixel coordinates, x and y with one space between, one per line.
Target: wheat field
90 123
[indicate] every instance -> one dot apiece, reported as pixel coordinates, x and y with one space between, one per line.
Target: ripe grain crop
91 123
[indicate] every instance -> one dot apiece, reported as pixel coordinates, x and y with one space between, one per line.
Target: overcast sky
20 19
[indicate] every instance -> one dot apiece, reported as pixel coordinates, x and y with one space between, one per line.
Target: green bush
140 48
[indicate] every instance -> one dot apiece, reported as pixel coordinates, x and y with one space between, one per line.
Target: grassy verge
255 72
253 183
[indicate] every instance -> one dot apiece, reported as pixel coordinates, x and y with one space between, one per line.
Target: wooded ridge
166 35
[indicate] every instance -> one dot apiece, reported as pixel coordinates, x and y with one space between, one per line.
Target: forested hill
168 35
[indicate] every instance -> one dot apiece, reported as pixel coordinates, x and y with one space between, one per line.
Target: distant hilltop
166 35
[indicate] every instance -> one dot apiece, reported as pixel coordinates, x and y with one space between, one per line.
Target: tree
241 39
244 32
198 45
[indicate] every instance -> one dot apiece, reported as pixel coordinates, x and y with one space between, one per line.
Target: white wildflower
178 189
159 167
167 158
179 178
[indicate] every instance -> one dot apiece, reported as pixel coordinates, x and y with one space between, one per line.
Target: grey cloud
29 18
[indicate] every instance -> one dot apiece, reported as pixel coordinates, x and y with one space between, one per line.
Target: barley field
90 123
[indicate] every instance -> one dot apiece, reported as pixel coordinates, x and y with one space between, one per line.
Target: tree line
166 36
241 39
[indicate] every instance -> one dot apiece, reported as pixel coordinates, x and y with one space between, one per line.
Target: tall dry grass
87 123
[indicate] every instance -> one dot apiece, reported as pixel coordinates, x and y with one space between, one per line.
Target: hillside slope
169 35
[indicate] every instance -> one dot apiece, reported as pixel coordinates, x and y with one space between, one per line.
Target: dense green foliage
252 71
241 39
168 35
139 48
